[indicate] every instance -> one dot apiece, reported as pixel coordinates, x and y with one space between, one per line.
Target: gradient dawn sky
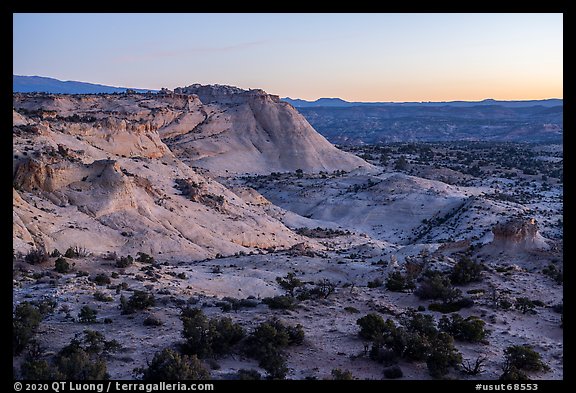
357 57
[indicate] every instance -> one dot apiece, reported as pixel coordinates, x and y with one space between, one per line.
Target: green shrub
74 363
341 375
280 302
523 357
101 279
140 300
36 256
169 365
525 305
25 322
513 374
396 282
209 337
466 271
95 343
470 329
61 265
266 344
87 314
82 359
437 287
75 252
152 320
290 283
35 369
102 297
413 346
145 258
372 326
443 356
377 282
393 372
380 354
452 306
554 273
273 360
124 262
419 323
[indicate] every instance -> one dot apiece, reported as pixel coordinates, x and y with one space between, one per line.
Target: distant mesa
41 84
338 102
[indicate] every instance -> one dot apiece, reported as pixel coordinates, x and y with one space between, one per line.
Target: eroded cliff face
221 128
258 133
99 172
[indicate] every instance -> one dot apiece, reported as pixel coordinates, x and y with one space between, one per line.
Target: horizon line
307 100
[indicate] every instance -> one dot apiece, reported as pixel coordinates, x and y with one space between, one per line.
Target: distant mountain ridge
42 84
338 102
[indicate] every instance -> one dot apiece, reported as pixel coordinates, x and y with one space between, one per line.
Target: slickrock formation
256 132
114 172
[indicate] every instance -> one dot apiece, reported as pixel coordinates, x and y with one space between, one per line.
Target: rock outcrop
224 129
250 131
93 171
518 234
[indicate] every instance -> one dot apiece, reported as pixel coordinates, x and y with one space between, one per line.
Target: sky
353 56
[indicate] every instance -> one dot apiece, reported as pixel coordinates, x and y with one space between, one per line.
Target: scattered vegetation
437 286
321 233
25 322
83 359
466 271
341 375
280 302
393 372
266 344
377 282
61 265
152 320
169 365
519 358
87 314
396 282
554 273
36 256
470 329
290 283
102 297
124 262
443 356
477 368
145 258
76 252
140 300
101 279
525 305
417 339
209 337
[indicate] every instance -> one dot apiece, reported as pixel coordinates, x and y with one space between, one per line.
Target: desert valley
215 225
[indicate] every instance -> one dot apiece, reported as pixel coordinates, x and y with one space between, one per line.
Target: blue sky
357 57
